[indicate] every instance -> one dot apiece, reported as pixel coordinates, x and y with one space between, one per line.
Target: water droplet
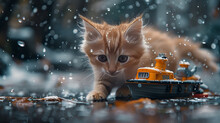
69 10
84 9
137 4
44 50
201 21
153 6
189 54
6 18
35 10
130 6
75 61
21 43
190 15
55 36
19 21
46 67
44 7
178 16
18 15
171 54
126 15
139 85
203 42
4 77
8 108
198 34
108 9
75 31
213 45
20 93
22 56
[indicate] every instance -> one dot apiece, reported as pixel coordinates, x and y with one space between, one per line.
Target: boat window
166 77
143 75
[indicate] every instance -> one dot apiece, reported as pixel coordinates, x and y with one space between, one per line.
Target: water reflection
54 108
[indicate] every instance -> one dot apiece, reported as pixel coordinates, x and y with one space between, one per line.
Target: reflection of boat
159 83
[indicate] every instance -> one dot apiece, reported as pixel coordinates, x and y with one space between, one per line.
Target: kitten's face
113 49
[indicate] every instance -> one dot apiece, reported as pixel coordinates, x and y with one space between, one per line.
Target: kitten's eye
102 58
122 58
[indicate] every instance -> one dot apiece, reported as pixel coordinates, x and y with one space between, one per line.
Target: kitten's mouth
113 74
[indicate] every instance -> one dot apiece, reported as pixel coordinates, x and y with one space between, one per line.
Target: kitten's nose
112 68
112 71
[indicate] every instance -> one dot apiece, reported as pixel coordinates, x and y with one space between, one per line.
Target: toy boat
159 83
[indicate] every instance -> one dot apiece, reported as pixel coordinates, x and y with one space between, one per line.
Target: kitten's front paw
96 96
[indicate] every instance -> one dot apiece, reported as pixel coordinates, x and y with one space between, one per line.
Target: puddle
59 109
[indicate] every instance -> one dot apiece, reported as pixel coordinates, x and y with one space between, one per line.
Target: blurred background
40 59
39 39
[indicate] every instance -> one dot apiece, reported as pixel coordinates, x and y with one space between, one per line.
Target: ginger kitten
115 52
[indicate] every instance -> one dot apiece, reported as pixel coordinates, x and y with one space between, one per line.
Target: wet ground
60 97
57 109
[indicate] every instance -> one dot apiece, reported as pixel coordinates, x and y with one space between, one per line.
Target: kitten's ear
91 33
133 33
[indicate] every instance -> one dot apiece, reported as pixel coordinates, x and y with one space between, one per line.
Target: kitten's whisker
87 77
148 21
86 61
103 75
148 29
